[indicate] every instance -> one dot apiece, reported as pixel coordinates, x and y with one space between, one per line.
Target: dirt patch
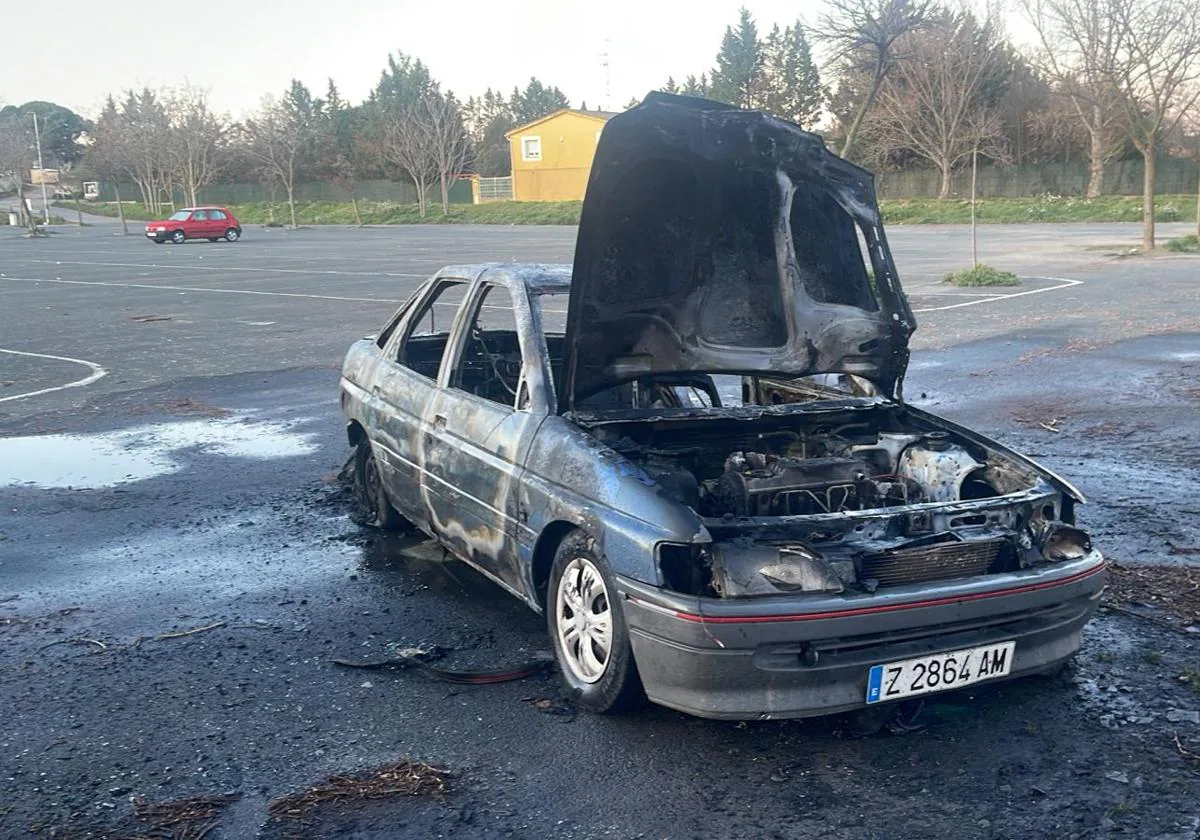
404 778
1173 590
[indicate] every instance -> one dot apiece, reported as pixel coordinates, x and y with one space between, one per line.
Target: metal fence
395 192
1173 176
495 189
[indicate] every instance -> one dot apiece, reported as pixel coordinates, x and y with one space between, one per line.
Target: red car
211 223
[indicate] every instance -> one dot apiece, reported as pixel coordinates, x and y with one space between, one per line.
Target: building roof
603 116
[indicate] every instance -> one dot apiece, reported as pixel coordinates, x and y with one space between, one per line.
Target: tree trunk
974 238
445 196
944 192
1148 155
1198 198
868 101
1095 187
120 209
421 190
292 202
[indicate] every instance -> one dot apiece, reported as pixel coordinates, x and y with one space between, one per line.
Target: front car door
196 227
484 418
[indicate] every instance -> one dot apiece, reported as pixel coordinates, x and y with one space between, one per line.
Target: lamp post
37 136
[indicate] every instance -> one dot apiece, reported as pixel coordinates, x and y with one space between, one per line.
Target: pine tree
791 86
738 73
670 86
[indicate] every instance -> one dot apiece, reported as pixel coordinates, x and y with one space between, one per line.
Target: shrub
1184 244
981 275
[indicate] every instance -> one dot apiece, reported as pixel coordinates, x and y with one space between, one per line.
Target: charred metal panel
720 240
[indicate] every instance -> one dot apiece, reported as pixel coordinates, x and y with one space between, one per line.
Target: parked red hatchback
211 223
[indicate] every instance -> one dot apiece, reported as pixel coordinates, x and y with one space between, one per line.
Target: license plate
940 672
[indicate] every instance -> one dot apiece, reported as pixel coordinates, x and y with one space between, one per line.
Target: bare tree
861 32
1158 75
451 145
409 144
197 142
1080 43
108 154
16 155
937 105
282 138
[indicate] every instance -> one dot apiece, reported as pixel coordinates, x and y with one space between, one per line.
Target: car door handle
439 421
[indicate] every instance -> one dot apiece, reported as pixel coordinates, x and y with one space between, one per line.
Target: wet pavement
178 571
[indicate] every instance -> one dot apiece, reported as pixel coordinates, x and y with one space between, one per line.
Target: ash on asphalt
172 636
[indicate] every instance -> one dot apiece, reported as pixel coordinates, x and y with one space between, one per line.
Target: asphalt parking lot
177 569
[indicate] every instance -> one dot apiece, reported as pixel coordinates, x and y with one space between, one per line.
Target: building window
531 148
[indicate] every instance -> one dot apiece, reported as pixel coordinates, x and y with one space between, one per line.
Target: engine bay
849 499
835 468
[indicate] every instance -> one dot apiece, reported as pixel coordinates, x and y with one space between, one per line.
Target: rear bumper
799 657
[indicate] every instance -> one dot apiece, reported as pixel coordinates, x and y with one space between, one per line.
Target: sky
241 51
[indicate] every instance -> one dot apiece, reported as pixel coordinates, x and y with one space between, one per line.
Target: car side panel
473 451
570 476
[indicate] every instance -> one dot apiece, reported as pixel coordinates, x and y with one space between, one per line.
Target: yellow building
552 157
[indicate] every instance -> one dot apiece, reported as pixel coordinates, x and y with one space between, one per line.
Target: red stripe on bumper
935 602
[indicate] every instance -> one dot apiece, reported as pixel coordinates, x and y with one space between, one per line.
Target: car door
217 223
483 423
402 389
196 227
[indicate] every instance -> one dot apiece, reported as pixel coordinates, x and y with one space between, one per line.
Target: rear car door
218 223
402 393
483 422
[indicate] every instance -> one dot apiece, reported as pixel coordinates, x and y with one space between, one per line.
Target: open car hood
719 240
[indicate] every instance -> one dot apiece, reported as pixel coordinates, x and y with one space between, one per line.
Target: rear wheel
232 235
178 237
371 500
587 627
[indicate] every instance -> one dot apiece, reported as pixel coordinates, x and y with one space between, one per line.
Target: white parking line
231 268
1063 283
97 373
190 289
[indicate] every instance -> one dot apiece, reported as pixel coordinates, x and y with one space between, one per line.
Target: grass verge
1184 245
981 275
916 211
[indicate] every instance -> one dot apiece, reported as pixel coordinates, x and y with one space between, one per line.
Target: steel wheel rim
583 620
232 235
177 238
370 487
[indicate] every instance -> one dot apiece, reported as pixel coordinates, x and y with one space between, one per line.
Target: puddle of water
112 458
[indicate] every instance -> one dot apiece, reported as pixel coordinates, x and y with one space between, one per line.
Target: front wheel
178 237
587 627
370 498
232 235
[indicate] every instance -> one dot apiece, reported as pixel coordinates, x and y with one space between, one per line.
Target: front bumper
758 658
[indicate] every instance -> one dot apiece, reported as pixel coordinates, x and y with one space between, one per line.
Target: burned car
705 474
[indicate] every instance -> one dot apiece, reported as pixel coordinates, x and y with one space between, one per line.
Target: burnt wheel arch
544 551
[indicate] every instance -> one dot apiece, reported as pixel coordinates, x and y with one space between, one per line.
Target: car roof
536 278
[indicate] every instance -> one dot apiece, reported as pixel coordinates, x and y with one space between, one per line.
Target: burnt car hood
718 240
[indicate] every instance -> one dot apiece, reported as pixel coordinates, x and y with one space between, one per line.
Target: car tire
178 237
232 235
581 601
371 502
